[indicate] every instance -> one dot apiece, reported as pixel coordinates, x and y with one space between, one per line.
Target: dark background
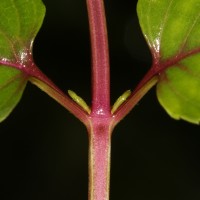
43 148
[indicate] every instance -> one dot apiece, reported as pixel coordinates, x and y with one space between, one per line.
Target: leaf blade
19 25
172 30
12 85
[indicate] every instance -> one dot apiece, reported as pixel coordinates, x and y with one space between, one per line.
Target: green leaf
12 84
172 30
20 21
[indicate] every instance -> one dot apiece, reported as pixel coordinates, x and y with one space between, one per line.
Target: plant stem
100 126
99 160
100 58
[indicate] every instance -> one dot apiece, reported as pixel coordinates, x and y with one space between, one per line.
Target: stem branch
145 85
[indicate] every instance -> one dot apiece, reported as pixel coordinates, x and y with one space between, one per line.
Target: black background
43 148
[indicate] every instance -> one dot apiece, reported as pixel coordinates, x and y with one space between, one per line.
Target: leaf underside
20 20
172 31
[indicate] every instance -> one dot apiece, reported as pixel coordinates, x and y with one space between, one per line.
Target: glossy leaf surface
172 30
20 21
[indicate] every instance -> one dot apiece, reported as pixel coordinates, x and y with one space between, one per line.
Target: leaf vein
188 33
165 18
10 80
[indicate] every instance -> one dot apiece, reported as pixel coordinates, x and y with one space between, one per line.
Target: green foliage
172 30
12 83
20 20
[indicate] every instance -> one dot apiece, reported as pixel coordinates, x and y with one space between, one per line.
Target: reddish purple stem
100 126
100 58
